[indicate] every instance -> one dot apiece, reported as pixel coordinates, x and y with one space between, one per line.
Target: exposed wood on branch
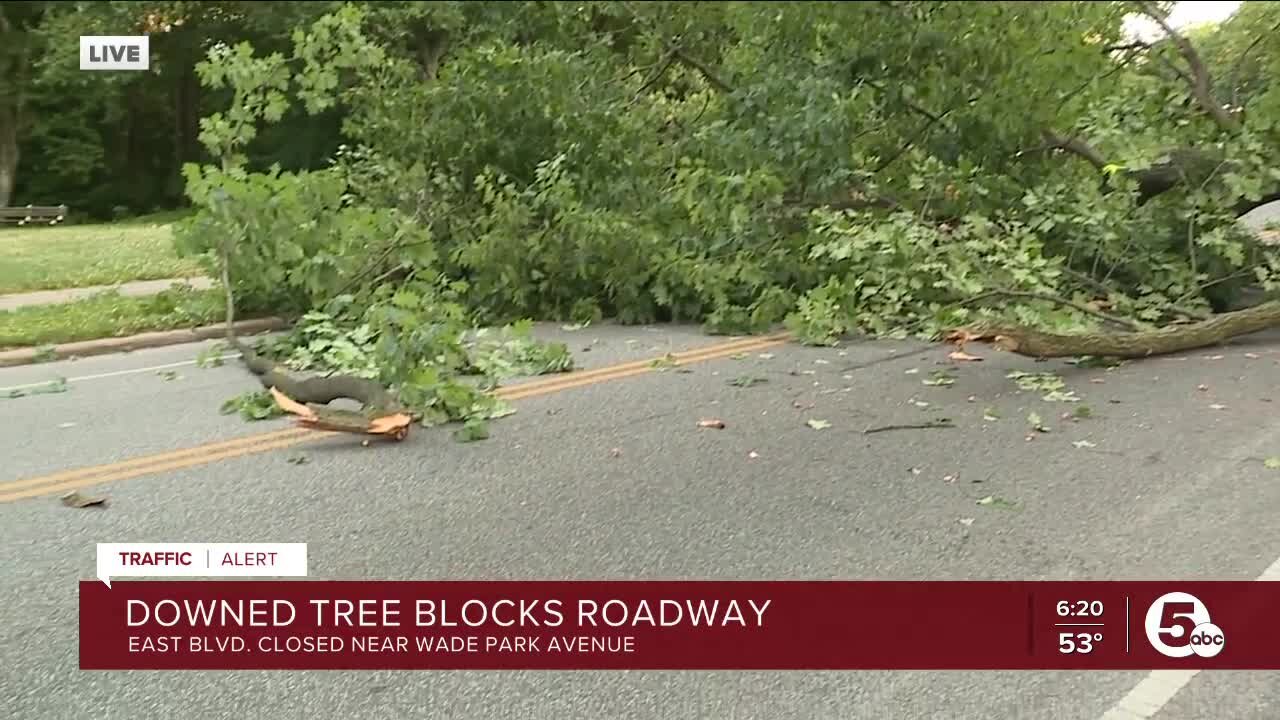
306 398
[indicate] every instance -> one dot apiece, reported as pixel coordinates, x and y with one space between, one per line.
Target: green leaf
472 431
818 424
939 378
998 503
1272 463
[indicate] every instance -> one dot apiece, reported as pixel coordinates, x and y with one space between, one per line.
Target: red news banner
702 625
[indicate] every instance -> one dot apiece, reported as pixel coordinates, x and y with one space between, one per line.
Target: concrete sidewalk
130 289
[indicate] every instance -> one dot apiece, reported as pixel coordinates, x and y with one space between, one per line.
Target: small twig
1085 85
655 77
1087 280
395 244
1201 288
679 54
1135 45
924 112
911 142
932 424
1049 297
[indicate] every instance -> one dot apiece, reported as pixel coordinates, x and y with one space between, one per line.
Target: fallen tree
739 167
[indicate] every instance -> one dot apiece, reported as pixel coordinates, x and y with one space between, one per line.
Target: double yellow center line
61 482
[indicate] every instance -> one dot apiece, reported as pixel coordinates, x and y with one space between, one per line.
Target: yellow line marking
626 369
148 460
180 463
237 447
570 383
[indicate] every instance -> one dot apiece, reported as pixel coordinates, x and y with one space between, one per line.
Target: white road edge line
117 373
1156 690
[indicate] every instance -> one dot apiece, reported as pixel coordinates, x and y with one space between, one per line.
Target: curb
104 346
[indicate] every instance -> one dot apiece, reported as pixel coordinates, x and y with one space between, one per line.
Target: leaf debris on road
996 502
1053 387
53 386
76 500
939 378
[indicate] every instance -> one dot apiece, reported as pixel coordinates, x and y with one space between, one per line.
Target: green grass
109 314
69 256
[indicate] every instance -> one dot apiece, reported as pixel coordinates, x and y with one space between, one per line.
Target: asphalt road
614 481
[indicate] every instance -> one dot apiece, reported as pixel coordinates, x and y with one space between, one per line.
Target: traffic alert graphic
1178 626
201 560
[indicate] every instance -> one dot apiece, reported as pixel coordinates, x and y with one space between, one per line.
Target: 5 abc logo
1178 626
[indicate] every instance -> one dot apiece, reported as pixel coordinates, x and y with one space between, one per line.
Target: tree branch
706 72
430 53
1200 81
932 116
678 53
924 129
1135 45
1075 146
663 65
1239 63
1049 297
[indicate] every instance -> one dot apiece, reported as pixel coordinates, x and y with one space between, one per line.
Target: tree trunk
1165 340
186 129
8 153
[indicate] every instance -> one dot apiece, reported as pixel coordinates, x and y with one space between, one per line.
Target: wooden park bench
33 214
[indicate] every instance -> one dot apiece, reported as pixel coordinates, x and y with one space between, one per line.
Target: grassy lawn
67 256
108 314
